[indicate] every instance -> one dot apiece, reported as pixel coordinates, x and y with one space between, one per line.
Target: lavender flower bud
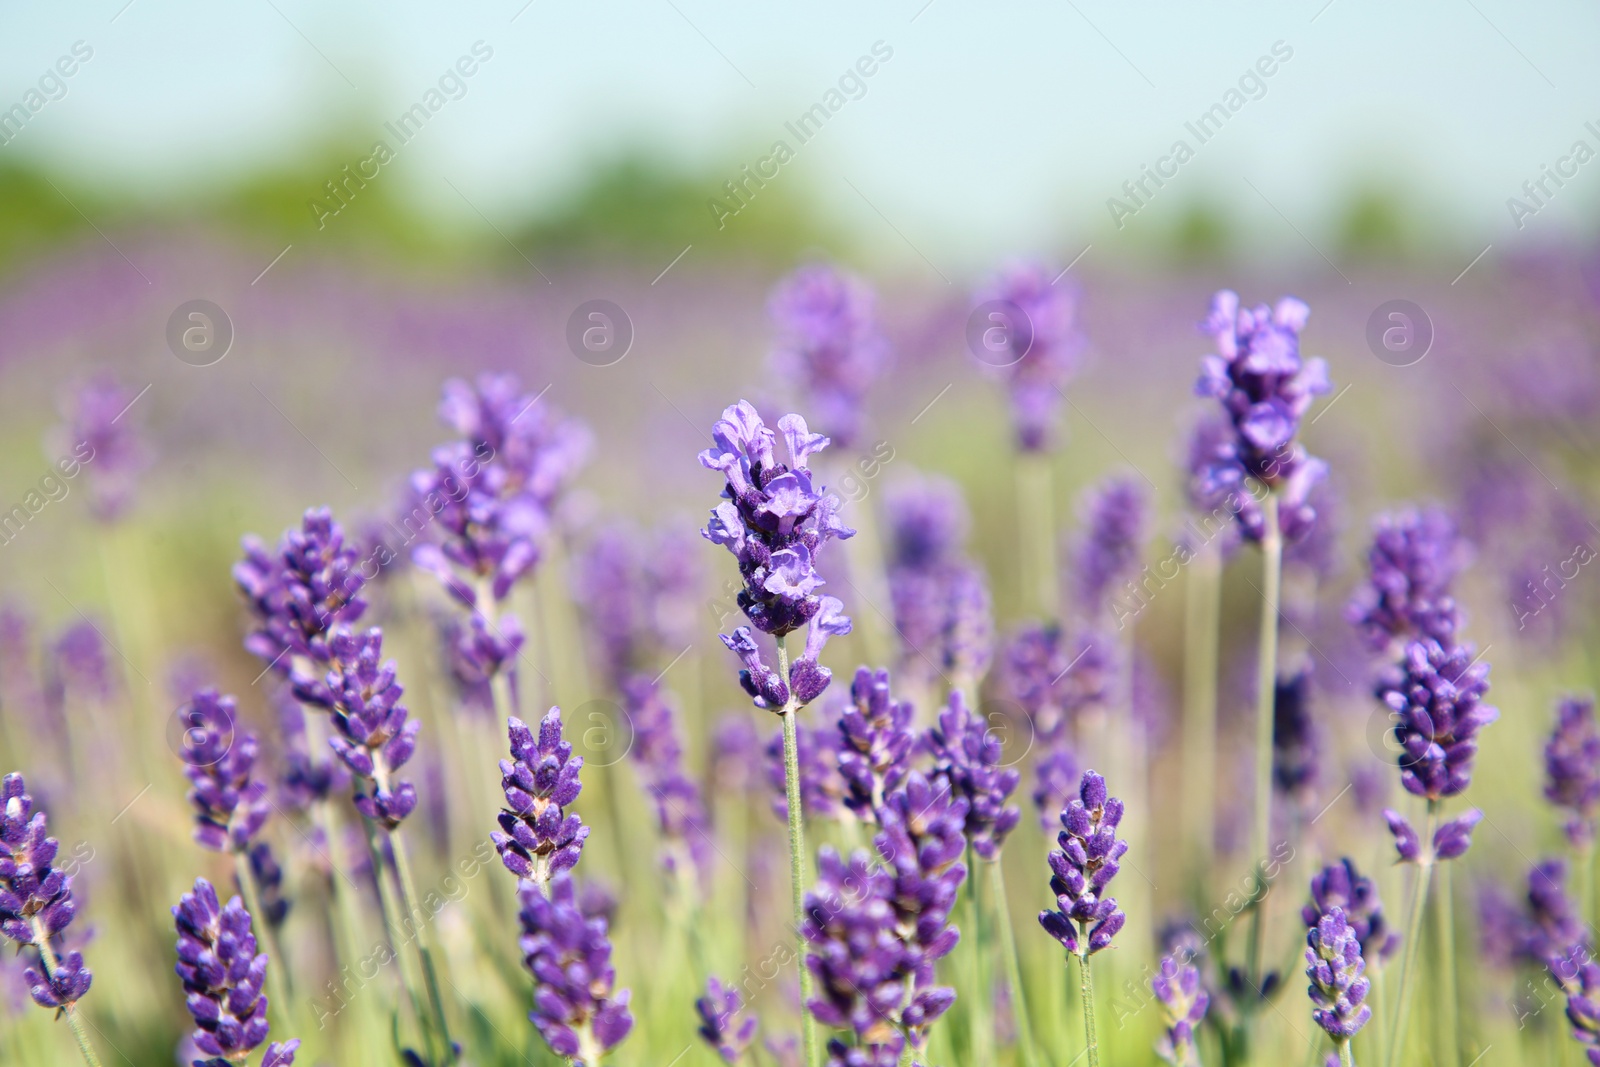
537 838
1340 885
1414 558
300 592
1183 1006
36 898
720 1024
268 875
877 739
576 1008
1116 517
1083 868
1296 748
968 755
1435 695
1572 767
1552 933
1406 840
222 977
231 805
1044 347
828 343
1335 967
1583 1010
1452 839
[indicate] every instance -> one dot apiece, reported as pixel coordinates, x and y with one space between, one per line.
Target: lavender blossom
476 651
1296 741
1183 1007
36 902
98 435
1450 840
576 1007
658 754
1265 389
537 837
231 804
1054 677
720 1024
1210 442
268 876
1572 768
308 777
375 735
967 754
1336 969
301 591
775 524
1435 695
1554 933
877 741
1042 348
1083 868
1058 774
77 662
222 977
1583 1010
828 343
921 843
1340 885
637 594
1116 520
1414 558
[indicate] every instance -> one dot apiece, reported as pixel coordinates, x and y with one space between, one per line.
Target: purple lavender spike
1572 768
720 1024
1436 697
100 435
222 977
537 837
1183 1004
36 902
231 803
1116 520
1296 740
1055 676
298 593
680 809
968 755
576 1007
1336 969
1043 349
877 741
1085 919
1340 885
829 344
1414 559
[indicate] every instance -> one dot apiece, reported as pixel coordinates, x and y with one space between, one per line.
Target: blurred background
371 198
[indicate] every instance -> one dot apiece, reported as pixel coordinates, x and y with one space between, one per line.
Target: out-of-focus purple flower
1210 442
736 755
1436 696
476 652
1116 520
657 753
308 777
301 591
1041 346
1583 1010
1340 885
1406 840
376 735
1296 742
1553 932
20 692
941 603
222 977
720 1024
231 803
1414 558
877 739
1058 775
967 754
1085 919
1450 841
100 435
269 883
822 786
1337 972
1183 1006
576 1007
537 837
1054 676
828 342
637 592
36 902
1572 767
1265 389
491 495
775 523
78 664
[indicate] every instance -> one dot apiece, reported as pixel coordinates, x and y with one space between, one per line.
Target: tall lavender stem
797 848
1413 934
1203 601
1267 672
1008 948
430 975
47 958
1086 989
276 979
1444 933
1036 527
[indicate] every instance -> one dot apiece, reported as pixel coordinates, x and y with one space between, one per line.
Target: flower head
967 754
1083 868
1340 885
1115 530
576 1007
537 837
636 591
720 1024
1572 767
1042 345
1296 747
942 612
299 592
36 897
222 977
231 804
1183 1006
829 343
657 753
1338 986
877 738
100 434
1055 676
1435 696
1414 559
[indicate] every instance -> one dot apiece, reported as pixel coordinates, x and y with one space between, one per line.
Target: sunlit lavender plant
1183 1007
1338 984
721 1026
538 838
576 1007
829 344
99 436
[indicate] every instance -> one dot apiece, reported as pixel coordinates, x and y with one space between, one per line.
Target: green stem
47 958
1444 934
391 918
1092 1046
1008 949
1346 1059
982 987
408 898
278 965
1036 529
1266 672
1202 605
1413 934
797 851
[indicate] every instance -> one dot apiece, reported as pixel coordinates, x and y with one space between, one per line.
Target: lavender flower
1296 747
1414 558
77 662
98 435
877 739
720 1024
1583 1010
1116 517
637 594
375 736
1340 885
231 804
1553 932
576 1007
1336 969
36 902
1210 442
1265 389
1058 775
680 809
1572 767
829 343
921 842
1042 347
775 524
1450 840
300 592
1083 868
1435 695
537 838
269 883
222 976
967 754
1183 1007
308 777
1054 676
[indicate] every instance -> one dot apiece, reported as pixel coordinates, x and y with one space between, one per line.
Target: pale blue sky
994 128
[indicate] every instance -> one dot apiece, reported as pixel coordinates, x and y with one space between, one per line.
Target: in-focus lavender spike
1085 919
36 902
967 754
1338 984
538 838
222 977
576 1007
